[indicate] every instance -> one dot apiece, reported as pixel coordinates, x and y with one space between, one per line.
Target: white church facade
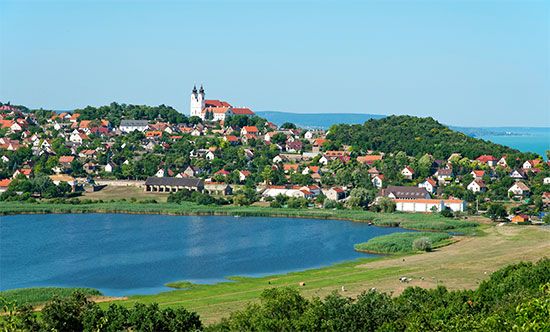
212 109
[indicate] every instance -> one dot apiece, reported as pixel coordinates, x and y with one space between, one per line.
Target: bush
332 204
447 213
297 202
275 204
423 244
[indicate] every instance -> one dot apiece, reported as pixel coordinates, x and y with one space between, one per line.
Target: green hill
414 136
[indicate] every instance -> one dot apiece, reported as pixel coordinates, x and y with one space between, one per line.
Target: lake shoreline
383 220
191 209
386 220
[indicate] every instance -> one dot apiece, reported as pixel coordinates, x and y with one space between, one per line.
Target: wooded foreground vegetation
515 298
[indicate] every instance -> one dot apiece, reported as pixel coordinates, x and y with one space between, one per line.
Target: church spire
194 89
201 90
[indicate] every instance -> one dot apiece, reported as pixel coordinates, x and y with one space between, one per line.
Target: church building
212 109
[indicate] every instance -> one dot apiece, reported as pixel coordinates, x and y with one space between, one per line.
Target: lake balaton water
122 254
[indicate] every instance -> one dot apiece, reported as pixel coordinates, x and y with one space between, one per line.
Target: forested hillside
414 136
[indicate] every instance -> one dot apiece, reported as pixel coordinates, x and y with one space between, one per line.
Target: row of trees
22 188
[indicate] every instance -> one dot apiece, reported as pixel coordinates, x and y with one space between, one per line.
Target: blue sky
472 63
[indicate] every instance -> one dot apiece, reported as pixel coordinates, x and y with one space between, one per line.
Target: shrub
423 244
332 204
447 213
275 204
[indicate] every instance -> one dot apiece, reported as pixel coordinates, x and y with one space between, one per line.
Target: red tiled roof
25 171
66 159
368 159
216 103
6 123
287 167
479 173
409 169
216 110
486 158
319 141
242 111
431 181
5 182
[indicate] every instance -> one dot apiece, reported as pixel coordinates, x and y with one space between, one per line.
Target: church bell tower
197 102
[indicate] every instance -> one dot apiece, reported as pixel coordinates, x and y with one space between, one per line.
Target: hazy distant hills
317 120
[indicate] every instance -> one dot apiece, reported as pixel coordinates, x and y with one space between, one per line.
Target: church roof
216 110
242 111
216 103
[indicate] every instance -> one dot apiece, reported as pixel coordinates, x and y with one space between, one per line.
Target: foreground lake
122 254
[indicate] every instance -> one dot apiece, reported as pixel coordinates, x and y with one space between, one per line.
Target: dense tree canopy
413 135
115 112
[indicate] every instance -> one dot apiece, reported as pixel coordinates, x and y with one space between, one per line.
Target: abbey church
213 109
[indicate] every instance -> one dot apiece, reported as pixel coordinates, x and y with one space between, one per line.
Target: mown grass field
112 192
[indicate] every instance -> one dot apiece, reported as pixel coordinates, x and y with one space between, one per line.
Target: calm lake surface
526 139
122 254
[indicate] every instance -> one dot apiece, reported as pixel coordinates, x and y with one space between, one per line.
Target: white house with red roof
531 163
477 174
249 130
243 175
407 172
4 184
519 189
487 159
477 186
378 181
429 184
